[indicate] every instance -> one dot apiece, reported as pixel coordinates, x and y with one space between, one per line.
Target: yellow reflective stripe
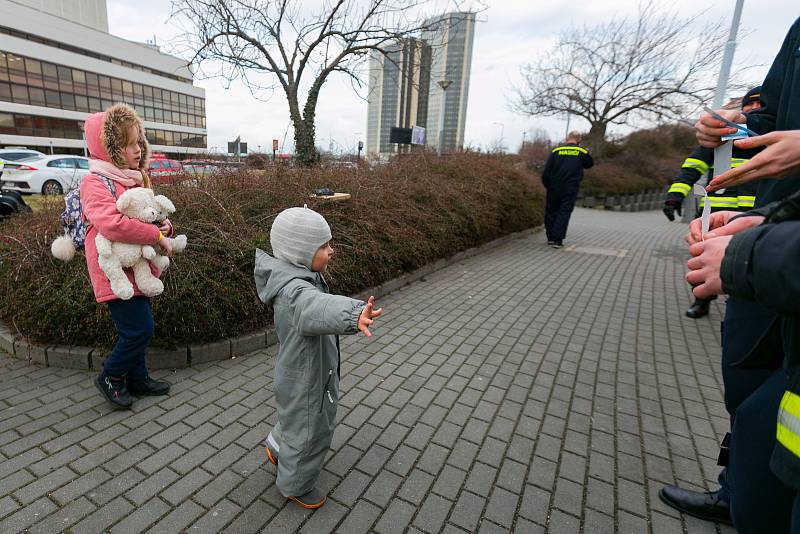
735 162
579 149
788 439
790 403
723 203
788 432
747 201
680 187
697 164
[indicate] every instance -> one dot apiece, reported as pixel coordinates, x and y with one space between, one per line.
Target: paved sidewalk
525 389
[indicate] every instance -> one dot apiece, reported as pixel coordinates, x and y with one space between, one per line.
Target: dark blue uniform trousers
559 203
134 321
743 321
760 503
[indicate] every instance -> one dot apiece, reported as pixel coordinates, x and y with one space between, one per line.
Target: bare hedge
401 217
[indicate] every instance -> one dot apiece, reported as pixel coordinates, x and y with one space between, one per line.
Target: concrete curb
88 358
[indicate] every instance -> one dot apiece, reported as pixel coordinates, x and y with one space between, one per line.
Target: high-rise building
58 64
405 85
398 85
450 37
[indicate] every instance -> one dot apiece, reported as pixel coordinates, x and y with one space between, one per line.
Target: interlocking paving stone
524 389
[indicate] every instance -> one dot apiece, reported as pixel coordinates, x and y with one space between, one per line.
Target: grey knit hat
296 235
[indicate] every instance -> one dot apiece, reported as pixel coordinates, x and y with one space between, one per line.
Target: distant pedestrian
562 178
308 320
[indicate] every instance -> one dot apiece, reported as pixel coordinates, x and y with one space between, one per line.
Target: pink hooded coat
103 137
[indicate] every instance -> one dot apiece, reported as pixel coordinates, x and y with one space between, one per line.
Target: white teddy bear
142 204
166 208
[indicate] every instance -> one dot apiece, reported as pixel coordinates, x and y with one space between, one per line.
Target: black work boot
146 386
699 308
114 390
701 504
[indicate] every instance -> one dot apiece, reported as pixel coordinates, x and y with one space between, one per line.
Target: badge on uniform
700 191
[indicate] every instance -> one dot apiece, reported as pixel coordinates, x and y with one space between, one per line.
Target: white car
48 175
16 154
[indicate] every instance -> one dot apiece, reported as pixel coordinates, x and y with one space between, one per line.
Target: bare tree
653 66
298 48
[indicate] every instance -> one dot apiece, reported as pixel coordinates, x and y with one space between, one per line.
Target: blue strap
108 183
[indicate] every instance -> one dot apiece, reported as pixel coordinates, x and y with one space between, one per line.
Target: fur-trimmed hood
105 133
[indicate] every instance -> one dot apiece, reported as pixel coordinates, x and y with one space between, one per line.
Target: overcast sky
508 35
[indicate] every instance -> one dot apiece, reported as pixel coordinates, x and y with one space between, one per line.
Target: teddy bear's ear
165 204
124 201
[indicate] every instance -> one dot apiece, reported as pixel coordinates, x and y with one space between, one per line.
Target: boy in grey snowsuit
308 320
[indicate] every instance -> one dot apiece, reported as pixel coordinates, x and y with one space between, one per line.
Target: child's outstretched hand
367 316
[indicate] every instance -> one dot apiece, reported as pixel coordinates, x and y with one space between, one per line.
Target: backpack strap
109 183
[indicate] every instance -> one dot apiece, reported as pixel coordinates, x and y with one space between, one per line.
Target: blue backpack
72 216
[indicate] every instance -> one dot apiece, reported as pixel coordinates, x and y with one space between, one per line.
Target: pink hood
93 129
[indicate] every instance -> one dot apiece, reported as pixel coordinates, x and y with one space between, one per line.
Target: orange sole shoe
272 459
309 506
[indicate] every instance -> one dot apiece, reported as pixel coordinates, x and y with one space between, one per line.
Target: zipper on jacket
326 390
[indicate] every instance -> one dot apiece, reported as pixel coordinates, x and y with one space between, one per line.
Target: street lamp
444 84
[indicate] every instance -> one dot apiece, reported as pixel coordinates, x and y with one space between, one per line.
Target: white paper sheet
699 190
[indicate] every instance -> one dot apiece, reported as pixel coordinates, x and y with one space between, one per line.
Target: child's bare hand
166 246
367 316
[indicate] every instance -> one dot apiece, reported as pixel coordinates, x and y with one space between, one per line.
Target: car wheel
51 187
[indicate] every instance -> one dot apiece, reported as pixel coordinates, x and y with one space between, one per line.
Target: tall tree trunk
596 138
304 142
304 129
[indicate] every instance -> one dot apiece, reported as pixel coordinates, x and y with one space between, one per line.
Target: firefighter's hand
672 205
779 159
710 130
705 265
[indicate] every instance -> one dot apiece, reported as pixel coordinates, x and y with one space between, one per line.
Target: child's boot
114 390
272 449
148 387
311 500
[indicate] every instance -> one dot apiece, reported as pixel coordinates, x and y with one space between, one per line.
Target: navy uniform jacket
749 324
564 167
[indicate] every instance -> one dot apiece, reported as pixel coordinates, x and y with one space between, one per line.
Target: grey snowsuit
308 320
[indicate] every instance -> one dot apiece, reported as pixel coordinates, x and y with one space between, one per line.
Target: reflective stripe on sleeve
680 187
697 164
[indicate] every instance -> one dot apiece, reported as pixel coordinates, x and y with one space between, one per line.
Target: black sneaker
148 387
114 390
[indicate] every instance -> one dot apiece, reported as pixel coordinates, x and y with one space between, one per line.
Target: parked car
166 171
48 175
16 154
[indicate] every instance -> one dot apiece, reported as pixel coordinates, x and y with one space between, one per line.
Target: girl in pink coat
119 156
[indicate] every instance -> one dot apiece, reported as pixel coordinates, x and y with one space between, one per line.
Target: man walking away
562 177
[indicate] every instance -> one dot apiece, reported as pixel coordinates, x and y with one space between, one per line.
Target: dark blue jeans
134 321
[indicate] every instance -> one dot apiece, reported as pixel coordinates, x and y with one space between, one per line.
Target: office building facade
398 85
405 86
451 39
55 71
